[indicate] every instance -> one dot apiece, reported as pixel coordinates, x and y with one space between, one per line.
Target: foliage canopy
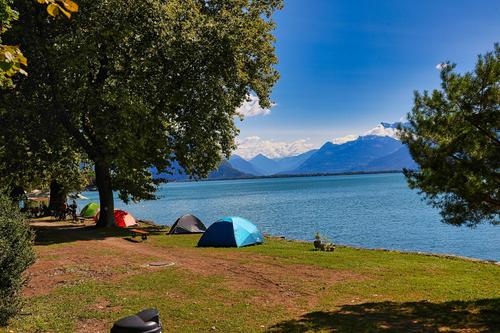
454 136
136 85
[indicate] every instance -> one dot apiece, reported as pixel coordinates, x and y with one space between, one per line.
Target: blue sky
347 65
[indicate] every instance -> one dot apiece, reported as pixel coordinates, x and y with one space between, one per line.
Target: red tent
123 219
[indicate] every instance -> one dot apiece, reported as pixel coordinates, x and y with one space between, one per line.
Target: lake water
373 211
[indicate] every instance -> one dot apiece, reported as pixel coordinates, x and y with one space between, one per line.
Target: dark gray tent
187 224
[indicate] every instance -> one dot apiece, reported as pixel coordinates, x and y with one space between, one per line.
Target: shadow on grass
67 233
47 235
456 316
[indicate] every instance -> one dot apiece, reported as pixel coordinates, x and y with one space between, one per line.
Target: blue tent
231 232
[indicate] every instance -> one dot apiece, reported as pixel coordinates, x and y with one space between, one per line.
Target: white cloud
441 66
251 107
251 146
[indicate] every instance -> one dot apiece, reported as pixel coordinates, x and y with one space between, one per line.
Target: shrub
16 255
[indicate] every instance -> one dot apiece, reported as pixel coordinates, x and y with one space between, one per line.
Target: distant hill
243 165
398 160
292 162
226 170
348 156
264 165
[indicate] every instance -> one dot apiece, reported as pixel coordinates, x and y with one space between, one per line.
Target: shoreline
279 176
152 224
423 253
430 254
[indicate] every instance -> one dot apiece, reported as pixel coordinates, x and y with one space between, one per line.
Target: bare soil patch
275 283
112 258
93 325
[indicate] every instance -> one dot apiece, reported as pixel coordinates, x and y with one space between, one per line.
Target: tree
139 84
16 255
454 136
29 158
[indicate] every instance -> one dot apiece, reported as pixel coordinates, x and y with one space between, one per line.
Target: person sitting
72 209
63 210
45 210
33 211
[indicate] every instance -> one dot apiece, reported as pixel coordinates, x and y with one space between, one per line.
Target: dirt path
113 258
279 282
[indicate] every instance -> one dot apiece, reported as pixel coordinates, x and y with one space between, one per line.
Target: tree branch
62 115
482 130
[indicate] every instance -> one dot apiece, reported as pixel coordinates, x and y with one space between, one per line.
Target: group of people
41 211
66 210
59 213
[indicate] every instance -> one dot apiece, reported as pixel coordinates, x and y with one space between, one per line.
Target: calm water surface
375 211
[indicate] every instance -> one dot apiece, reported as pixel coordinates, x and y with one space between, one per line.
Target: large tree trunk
57 195
104 185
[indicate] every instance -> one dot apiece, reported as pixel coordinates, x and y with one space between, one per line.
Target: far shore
351 173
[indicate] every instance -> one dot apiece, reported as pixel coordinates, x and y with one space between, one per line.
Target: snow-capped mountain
378 149
349 156
385 129
382 129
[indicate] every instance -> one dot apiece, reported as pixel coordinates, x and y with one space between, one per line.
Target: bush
16 255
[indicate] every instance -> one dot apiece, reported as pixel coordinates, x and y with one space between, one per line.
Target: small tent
79 196
123 219
90 210
187 224
231 232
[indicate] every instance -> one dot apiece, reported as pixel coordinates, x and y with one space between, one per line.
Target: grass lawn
280 286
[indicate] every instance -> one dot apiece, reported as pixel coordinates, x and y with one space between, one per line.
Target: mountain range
378 150
349 156
261 165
